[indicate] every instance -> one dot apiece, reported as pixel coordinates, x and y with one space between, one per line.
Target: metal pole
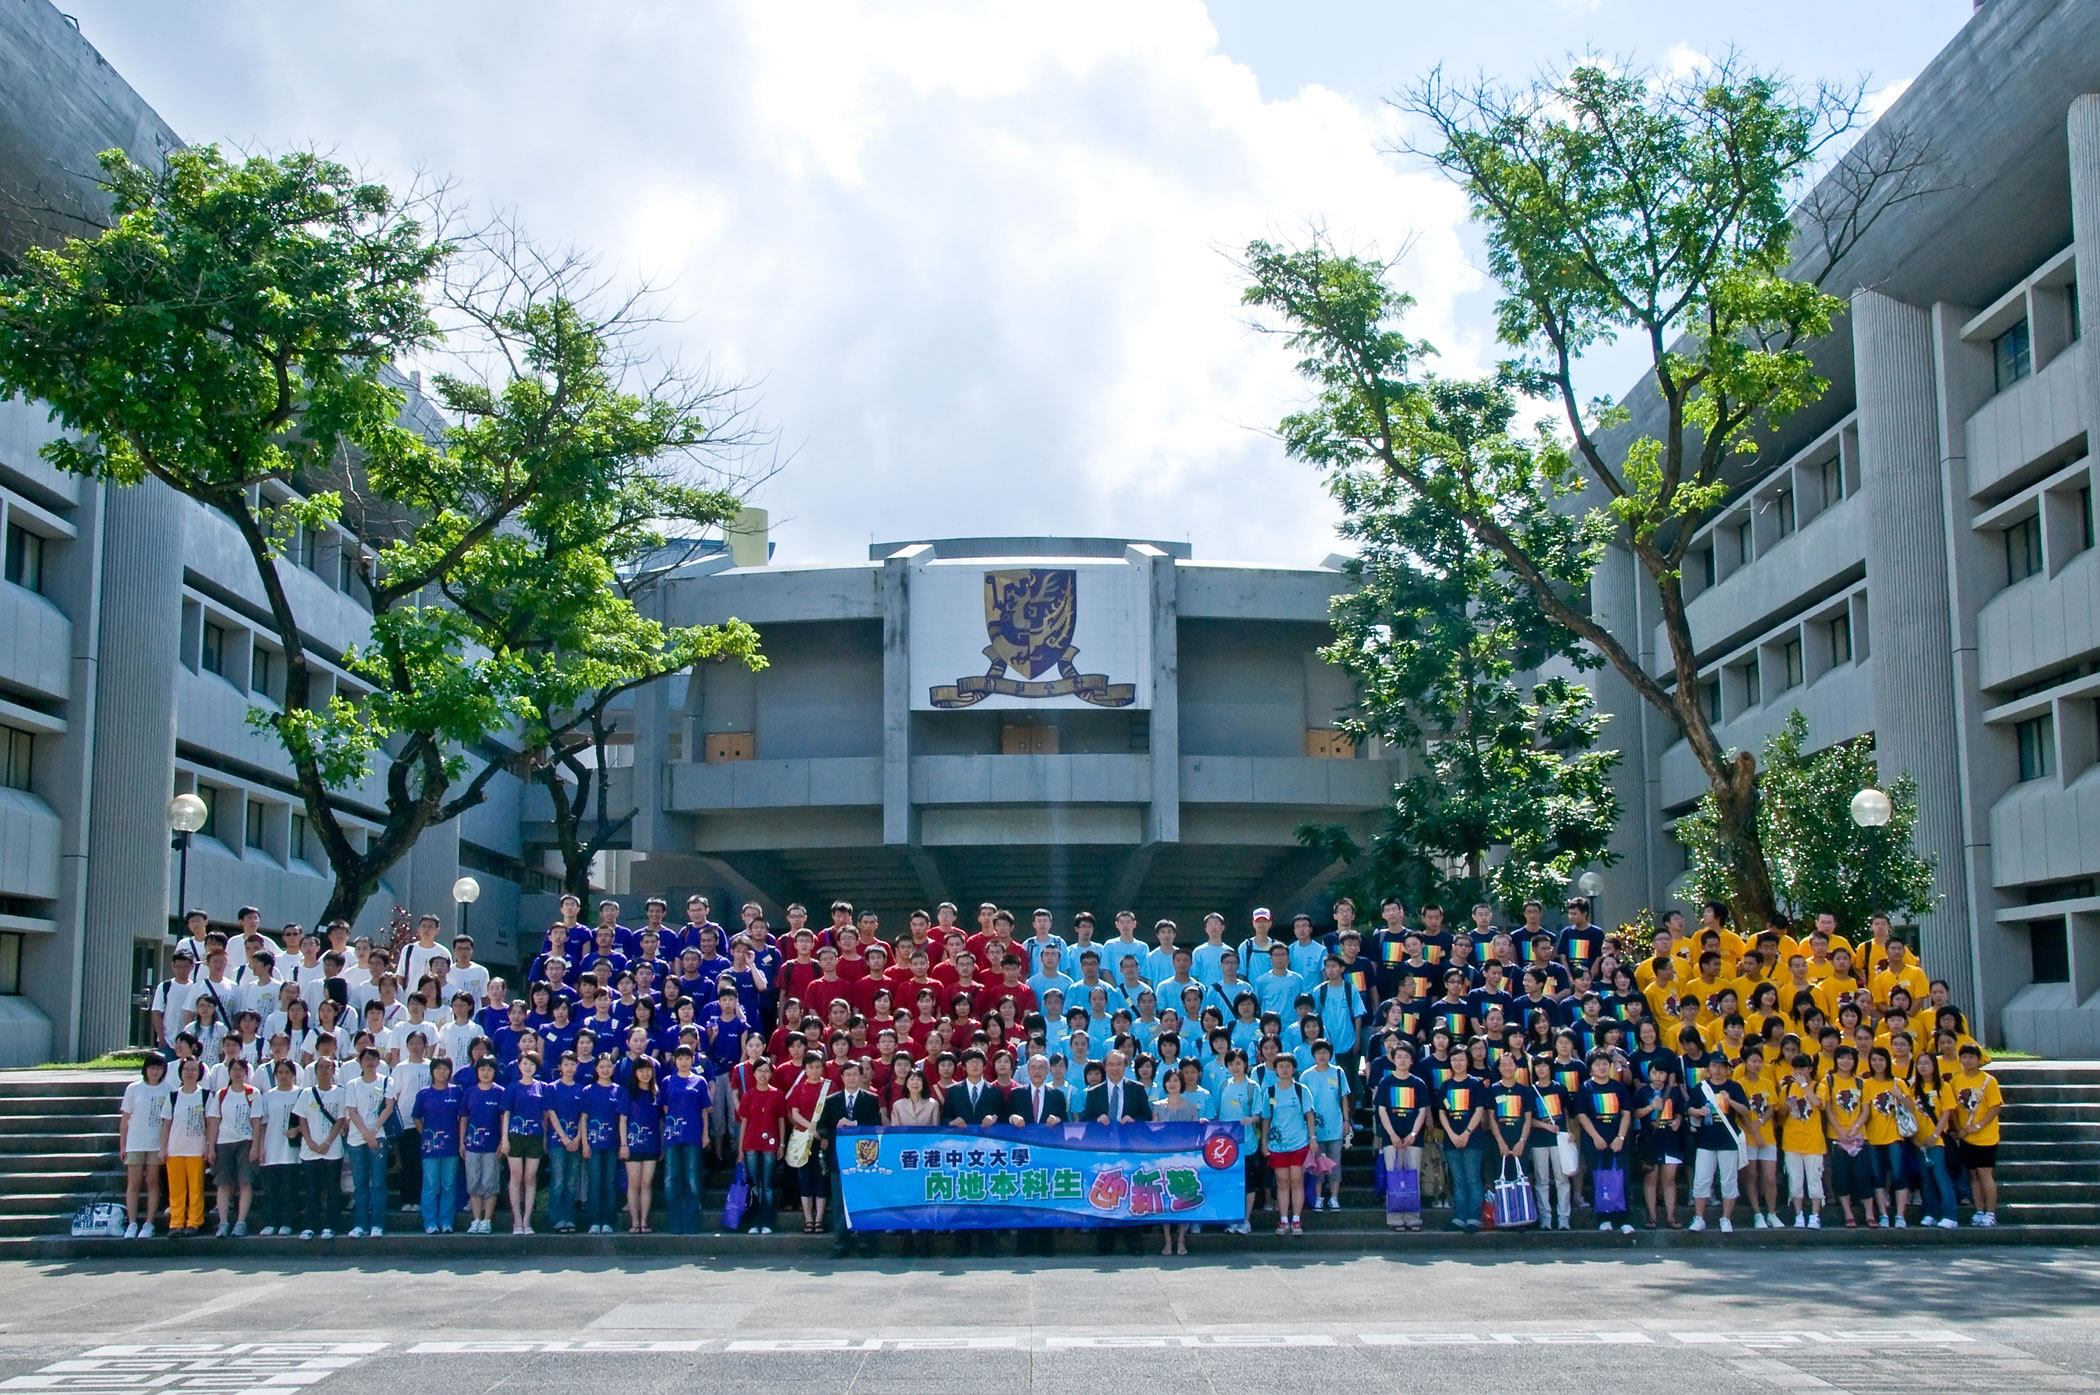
182 878
465 909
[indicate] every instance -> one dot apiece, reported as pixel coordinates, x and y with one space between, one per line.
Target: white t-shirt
415 962
173 1001
186 1115
148 1107
469 978
456 1039
312 1101
235 1111
398 1034
226 996
276 1115
363 1099
260 998
411 1078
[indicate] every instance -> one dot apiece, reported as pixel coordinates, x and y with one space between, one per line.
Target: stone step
59 1122
97 1142
15 1167
74 1088
45 1105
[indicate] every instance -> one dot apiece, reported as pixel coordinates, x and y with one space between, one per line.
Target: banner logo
1029 616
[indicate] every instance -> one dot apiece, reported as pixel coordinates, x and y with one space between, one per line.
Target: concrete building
133 643
1163 726
1913 557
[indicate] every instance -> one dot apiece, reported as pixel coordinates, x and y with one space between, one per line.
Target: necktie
1038 1116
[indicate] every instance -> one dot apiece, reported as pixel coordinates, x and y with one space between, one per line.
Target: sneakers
1815 1220
1757 1220
1928 1223
1801 1220
430 1230
223 1231
525 1230
1727 1226
1698 1223
765 1230
1984 1218
328 1235
1298 1227
1604 1226
1881 1222
517 1230
1626 1229
240 1230
146 1230
267 1230
1902 1224
376 1231
1284 1227
131 1232
1948 1223
306 1235
357 1232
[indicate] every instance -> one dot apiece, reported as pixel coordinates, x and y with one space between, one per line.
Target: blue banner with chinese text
954 1178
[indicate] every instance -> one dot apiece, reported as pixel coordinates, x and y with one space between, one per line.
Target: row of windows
254 825
2012 352
1792 668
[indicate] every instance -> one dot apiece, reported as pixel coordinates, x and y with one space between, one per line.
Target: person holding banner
852 1107
1037 1102
1116 1100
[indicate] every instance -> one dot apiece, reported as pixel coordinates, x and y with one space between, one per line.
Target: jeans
1939 1184
280 1196
682 1186
440 1191
323 1184
758 1175
408 1166
603 1177
564 1172
1468 1193
368 1186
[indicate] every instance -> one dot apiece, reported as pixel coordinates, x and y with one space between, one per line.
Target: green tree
1435 631
231 333
1823 861
1613 204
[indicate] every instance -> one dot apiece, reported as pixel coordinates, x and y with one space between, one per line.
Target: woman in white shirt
279 1147
229 1115
144 1112
183 1137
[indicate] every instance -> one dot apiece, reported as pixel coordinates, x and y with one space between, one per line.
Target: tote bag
738 1199
1516 1205
1609 1198
803 1141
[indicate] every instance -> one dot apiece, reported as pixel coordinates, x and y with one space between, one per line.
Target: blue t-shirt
1326 1088
1278 993
601 1113
485 1117
437 1113
1238 1100
566 1102
685 1100
528 1107
644 1114
1285 1108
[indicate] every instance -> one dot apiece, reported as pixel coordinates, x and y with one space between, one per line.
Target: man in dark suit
1117 1100
1036 1101
973 1100
850 1107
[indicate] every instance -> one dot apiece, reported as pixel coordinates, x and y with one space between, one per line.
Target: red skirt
1294 1158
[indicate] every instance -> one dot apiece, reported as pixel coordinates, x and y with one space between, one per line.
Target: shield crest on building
1030 616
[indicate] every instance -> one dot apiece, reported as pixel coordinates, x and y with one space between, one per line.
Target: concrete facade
1913 556
1182 806
133 643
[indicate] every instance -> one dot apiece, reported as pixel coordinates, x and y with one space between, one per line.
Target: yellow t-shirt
1662 999
1847 1100
1801 1117
1819 969
1968 1096
1763 1093
1912 979
1833 993
1881 1097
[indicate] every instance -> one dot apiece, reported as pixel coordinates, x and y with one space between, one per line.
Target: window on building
1710 697
1792 656
25 558
10 965
1704 561
2023 549
260 670
1841 640
2076 317
1742 543
298 848
17 751
2037 738
1833 472
1753 688
1783 505
252 830
210 795
214 654
2012 356
2085 517
2051 950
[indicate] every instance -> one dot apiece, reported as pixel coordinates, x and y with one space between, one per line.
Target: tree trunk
1736 801
346 899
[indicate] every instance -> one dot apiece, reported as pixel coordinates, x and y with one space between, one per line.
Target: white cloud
975 255
1683 61
1884 97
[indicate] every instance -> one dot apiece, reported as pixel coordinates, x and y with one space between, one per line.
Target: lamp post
1590 884
1872 809
187 814
466 891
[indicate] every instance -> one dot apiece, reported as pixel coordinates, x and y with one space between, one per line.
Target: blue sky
973 258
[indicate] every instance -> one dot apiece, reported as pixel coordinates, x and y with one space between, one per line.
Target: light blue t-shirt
1326 1088
1340 1007
1040 984
1159 964
1285 1107
1204 965
1307 958
1114 952
1278 993
1238 1100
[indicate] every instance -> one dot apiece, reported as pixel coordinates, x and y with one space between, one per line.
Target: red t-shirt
795 976
802 1095
821 993
761 1113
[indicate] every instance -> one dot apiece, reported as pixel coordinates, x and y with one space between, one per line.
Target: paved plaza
2018 1320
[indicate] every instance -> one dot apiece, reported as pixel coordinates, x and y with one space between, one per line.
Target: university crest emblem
867 1152
1029 616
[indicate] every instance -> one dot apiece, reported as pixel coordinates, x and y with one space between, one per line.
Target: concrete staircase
58 1148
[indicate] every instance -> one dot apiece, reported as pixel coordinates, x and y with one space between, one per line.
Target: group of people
1782 1070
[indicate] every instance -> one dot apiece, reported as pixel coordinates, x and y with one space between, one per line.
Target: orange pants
185 1193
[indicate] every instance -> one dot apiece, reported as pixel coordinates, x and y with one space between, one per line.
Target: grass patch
115 1060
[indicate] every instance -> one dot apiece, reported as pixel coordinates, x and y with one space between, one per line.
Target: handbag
1906 1117
804 1141
1609 1197
737 1200
1567 1153
101 1219
1403 1190
1515 1203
